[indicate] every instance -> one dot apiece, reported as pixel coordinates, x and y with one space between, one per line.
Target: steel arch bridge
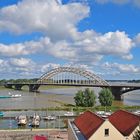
71 75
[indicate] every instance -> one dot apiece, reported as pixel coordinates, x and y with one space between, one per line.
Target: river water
45 99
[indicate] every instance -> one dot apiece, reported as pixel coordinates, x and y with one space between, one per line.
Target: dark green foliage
136 135
105 97
85 98
79 98
3 81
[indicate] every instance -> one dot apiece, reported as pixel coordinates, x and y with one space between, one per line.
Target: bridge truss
71 75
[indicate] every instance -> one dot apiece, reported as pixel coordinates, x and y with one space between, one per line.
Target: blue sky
102 36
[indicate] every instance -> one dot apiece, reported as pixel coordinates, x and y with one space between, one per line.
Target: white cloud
62 40
45 16
111 43
49 66
21 62
125 68
25 48
137 39
86 46
62 49
60 37
18 67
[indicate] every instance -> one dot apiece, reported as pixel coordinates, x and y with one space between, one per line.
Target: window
106 132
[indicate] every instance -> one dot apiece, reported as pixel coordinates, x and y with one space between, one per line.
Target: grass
80 109
3 88
117 103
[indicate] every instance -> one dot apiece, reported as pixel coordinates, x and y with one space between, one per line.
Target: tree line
87 97
3 81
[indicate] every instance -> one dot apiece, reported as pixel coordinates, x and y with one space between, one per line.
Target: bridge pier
18 87
33 87
117 92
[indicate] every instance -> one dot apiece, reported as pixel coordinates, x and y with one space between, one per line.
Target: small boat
69 114
35 121
49 118
107 113
137 112
100 112
1 114
21 120
14 95
3 97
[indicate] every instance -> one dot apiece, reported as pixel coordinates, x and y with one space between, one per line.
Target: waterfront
11 123
45 99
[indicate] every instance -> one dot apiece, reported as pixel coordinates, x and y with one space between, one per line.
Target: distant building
121 125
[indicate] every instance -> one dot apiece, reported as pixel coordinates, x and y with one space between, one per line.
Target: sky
102 36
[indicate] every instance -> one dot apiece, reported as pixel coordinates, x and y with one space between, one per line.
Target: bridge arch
60 75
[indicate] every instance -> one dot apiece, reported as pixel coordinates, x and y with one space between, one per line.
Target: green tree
79 98
85 98
136 135
90 98
105 97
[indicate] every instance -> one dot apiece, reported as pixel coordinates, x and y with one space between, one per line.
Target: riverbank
28 134
53 100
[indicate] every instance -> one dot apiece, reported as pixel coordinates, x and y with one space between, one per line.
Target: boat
49 118
69 114
137 112
21 120
4 97
107 113
100 112
35 121
1 114
14 95
10 95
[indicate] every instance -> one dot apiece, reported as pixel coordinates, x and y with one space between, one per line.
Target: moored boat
1 114
21 120
69 114
14 95
35 121
49 118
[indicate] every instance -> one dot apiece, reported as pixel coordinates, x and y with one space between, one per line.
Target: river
45 99
53 97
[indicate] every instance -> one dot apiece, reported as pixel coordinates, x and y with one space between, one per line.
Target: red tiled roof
88 123
39 137
124 121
